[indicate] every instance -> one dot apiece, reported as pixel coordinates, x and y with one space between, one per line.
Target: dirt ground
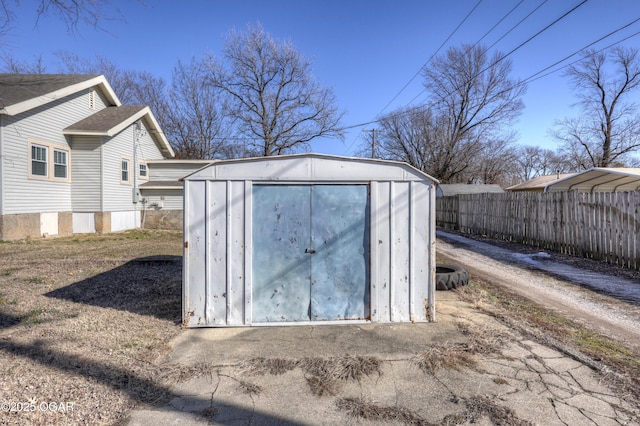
86 325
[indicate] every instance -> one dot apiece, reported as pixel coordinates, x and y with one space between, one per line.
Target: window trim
122 162
50 149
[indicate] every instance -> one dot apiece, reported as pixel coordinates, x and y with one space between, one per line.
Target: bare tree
276 103
70 12
495 163
417 136
197 125
472 100
534 161
473 89
608 130
16 66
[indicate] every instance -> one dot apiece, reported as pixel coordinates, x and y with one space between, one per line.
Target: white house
72 157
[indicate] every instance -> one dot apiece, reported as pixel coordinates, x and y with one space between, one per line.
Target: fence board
602 226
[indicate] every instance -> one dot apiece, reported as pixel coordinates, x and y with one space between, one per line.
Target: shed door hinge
186 244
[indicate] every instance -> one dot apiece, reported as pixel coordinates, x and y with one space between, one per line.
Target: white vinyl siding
87 174
147 148
23 193
166 199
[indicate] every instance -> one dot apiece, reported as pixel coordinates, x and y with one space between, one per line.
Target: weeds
367 410
499 415
273 366
445 356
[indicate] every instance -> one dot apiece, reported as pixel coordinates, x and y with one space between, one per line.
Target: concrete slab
525 381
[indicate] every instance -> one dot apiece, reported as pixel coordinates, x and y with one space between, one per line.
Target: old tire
449 277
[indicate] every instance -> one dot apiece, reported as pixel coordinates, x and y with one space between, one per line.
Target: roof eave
99 81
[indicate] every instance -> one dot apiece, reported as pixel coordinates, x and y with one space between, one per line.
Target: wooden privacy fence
601 225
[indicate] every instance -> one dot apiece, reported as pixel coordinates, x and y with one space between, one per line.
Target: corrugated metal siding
23 195
86 172
217 282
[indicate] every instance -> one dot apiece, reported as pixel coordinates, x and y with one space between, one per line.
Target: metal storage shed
308 239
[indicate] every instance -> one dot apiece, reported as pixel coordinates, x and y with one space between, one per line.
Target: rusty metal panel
281 269
340 240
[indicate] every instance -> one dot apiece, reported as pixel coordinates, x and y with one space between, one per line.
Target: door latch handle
310 250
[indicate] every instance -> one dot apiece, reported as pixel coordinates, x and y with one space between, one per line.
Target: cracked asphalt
518 382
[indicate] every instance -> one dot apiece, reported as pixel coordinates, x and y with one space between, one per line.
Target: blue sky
367 51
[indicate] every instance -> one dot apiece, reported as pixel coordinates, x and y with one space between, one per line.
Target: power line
431 57
492 28
514 50
517 24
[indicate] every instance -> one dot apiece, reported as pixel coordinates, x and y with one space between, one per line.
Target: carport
308 239
599 179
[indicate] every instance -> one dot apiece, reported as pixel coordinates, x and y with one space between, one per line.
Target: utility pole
373 140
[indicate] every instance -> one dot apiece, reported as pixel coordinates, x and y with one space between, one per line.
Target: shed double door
310 252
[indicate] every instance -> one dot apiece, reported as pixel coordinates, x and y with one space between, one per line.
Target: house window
49 161
39 160
143 170
125 171
59 164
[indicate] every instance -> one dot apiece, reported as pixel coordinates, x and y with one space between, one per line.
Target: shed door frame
249 250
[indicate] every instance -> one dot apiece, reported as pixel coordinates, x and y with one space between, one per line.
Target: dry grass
499 415
82 321
274 366
445 356
367 410
324 375
458 356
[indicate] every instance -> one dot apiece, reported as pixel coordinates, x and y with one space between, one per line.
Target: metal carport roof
599 179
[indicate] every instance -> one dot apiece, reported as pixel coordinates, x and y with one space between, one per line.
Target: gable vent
92 100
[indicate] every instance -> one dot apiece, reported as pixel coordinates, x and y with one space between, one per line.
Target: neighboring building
599 179
537 184
308 239
72 157
450 189
162 194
